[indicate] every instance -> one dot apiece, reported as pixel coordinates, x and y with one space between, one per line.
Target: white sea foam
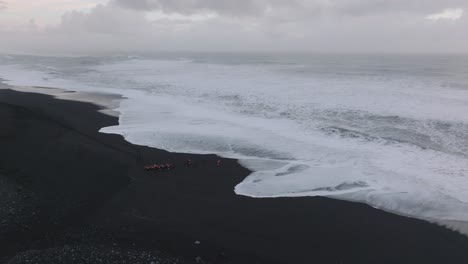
397 142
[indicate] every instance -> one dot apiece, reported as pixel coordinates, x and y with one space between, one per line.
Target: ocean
387 130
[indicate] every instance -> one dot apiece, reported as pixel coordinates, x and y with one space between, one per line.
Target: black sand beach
69 194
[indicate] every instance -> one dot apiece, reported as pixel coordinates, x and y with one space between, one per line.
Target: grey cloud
363 7
3 5
258 7
260 25
104 19
230 7
136 4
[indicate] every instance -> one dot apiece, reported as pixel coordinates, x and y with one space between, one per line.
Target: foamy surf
395 141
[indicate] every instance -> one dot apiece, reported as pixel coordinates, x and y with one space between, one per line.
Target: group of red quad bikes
168 167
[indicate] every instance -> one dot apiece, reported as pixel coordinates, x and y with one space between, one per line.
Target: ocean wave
395 141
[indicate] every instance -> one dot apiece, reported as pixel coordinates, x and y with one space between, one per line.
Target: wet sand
72 195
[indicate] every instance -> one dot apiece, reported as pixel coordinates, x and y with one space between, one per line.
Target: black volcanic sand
69 194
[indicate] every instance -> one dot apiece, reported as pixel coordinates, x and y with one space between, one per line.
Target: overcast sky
94 26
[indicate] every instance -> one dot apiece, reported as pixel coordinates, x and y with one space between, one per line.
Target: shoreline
112 198
109 104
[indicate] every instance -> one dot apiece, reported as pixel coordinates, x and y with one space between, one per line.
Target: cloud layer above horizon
96 26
